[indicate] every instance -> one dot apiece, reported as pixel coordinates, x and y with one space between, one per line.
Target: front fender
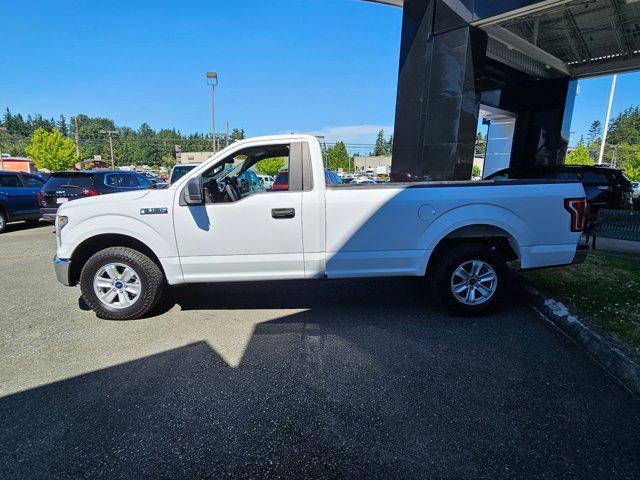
161 243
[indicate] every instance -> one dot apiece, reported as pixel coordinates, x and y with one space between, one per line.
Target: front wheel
470 279
120 283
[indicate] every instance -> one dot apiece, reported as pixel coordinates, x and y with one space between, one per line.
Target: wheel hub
474 282
117 285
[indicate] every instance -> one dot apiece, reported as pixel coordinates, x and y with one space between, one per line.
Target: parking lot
363 378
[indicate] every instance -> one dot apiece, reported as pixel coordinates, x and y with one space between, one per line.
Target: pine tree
382 147
595 133
62 126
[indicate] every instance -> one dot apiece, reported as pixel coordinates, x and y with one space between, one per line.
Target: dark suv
604 187
63 187
18 197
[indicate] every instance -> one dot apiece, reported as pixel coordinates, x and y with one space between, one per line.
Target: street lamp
212 81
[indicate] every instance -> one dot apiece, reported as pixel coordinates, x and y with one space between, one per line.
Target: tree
51 151
270 166
62 126
383 147
338 157
238 135
595 133
481 145
579 155
625 128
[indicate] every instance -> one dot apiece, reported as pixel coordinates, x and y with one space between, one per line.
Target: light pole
212 81
109 132
606 122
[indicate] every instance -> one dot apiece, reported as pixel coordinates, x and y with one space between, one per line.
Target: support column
438 100
543 109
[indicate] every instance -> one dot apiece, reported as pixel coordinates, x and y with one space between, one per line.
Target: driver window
237 177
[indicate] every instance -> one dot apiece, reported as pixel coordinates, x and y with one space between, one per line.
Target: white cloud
353 134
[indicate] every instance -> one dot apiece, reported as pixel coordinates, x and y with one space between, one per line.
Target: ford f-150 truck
126 248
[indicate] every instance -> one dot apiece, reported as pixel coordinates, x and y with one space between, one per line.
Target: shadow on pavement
366 382
20 226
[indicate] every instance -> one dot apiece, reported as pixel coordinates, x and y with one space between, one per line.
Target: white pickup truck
210 226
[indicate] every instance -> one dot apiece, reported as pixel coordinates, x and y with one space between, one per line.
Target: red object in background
89 192
281 182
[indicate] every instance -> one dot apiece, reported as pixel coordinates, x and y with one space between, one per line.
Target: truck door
257 234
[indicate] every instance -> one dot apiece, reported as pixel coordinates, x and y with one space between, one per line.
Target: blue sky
284 65
593 98
326 66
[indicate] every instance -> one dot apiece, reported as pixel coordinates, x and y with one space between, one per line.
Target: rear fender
477 214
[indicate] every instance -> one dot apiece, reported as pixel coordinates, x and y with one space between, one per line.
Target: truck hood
111 199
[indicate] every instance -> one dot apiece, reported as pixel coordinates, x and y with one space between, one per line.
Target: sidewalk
613 245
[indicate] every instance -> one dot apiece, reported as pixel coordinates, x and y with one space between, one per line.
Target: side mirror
192 194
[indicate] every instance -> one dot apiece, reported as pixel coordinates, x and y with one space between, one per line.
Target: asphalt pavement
327 379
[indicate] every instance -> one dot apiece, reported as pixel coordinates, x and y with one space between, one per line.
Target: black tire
3 221
150 275
456 256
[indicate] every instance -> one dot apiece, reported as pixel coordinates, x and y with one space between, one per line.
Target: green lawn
605 290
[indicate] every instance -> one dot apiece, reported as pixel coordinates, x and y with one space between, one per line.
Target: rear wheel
3 221
470 279
120 283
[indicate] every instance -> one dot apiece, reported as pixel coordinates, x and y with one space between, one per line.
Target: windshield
180 171
69 179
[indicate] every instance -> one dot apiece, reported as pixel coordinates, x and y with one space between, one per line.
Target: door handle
283 212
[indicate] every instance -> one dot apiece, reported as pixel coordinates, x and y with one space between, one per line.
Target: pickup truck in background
125 249
19 197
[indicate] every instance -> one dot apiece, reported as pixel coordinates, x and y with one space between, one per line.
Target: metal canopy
579 38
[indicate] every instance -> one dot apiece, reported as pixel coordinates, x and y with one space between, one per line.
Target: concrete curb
615 358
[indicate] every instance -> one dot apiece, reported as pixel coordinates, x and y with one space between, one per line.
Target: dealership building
512 63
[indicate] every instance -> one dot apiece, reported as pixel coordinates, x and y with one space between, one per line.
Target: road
359 379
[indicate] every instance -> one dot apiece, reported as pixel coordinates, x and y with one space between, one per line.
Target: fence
618 224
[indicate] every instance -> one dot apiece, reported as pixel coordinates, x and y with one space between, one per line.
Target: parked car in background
63 187
19 197
179 171
282 179
267 180
605 187
361 181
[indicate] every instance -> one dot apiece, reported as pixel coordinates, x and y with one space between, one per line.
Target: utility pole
227 136
75 121
2 129
109 133
212 81
606 122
